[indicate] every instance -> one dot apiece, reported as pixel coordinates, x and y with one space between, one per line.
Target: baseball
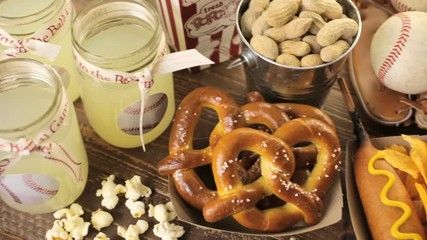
409 5
153 113
28 189
399 52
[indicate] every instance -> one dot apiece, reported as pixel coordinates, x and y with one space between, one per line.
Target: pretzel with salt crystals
295 110
306 154
183 159
277 167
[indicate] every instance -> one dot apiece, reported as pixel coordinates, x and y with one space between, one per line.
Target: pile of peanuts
298 33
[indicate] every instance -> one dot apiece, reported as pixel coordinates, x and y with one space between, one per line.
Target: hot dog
388 207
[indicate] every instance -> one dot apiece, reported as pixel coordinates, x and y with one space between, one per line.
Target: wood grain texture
105 159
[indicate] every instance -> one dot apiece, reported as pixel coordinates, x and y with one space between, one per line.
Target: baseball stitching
156 104
11 193
77 177
398 47
28 180
133 110
137 111
146 127
131 130
76 164
402 7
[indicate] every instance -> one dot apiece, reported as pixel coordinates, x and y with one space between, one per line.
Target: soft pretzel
277 167
183 159
295 110
306 155
262 116
326 141
263 113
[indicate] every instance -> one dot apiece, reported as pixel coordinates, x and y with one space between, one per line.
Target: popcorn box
206 25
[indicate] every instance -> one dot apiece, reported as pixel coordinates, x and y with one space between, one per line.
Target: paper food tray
357 215
333 203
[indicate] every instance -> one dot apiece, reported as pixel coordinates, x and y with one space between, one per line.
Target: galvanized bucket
280 83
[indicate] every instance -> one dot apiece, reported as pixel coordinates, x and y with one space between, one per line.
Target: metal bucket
280 83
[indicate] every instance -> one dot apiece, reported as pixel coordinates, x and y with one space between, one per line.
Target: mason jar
48 22
43 162
112 40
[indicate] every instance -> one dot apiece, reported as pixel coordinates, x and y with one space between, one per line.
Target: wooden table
105 159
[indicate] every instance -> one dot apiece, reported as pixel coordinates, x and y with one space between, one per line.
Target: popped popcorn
77 227
135 189
109 192
70 225
101 219
137 208
168 231
101 236
57 232
133 231
162 212
74 210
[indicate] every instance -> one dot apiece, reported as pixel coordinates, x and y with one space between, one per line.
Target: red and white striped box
206 25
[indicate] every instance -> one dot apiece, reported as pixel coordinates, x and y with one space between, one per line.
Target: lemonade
113 109
36 182
60 25
103 109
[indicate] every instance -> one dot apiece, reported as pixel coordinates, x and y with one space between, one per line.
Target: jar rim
100 12
46 75
39 18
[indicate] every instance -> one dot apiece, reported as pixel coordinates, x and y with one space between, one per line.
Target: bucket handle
236 62
246 57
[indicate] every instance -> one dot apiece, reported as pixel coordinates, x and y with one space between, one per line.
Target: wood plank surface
105 159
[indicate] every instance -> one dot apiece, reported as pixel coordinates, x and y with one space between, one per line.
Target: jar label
29 189
154 110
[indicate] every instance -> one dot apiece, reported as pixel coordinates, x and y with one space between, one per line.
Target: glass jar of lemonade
112 38
36 29
43 162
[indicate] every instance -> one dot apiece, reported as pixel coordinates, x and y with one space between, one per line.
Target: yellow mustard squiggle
384 199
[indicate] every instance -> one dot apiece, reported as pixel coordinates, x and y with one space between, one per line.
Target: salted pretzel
262 116
277 167
183 159
294 110
306 154
263 113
